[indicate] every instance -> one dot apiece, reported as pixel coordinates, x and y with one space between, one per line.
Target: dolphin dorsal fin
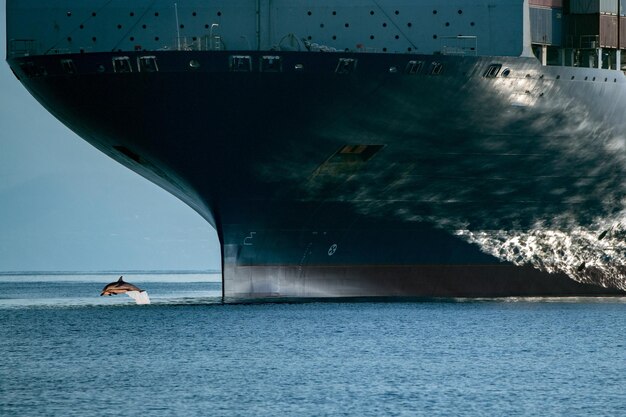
120 280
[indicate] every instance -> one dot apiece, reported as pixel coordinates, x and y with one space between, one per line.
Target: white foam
139 297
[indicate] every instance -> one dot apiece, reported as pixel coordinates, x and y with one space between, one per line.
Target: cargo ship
370 148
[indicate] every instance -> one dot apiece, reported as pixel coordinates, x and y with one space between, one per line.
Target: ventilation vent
271 64
414 67
68 66
436 68
355 153
147 64
493 71
122 64
346 66
241 63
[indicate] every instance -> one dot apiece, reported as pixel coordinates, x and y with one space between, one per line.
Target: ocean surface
65 351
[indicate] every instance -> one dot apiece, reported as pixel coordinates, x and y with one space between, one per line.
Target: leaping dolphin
122 287
119 287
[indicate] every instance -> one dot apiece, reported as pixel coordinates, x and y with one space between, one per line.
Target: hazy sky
66 207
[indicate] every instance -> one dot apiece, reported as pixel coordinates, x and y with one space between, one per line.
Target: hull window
147 64
346 66
122 64
271 64
241 63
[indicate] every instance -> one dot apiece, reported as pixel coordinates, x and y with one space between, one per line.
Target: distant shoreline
114 272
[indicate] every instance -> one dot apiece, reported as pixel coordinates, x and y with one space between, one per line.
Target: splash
139 297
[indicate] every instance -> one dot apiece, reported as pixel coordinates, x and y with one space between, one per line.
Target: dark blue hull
348 175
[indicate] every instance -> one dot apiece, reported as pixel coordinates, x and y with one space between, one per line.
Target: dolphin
119 287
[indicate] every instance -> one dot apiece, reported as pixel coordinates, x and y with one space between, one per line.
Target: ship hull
348 175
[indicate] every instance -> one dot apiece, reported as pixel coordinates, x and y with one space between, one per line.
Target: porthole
334 13
384 25
206 26
334 37
606 79
93 39
156 38
194 64
119 26
472 24
506 72
309 13
144 26
372 37
586 78
434 36
219 13
397 12
347 25
409 24
322 25
82 26
393 70
371 12
397 36
69 14
93 14
194 14
69 39
558 77
182 26
156 14
460 11
593 79
573 77
447 23
132 14
434 11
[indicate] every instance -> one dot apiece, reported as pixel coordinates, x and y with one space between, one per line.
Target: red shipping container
553 4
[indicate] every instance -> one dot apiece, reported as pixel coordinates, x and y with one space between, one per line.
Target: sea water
65 351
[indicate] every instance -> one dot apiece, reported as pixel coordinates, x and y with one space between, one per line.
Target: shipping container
597 6
554 4
593 31
546 25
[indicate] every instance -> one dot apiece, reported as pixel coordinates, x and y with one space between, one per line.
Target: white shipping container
596 6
